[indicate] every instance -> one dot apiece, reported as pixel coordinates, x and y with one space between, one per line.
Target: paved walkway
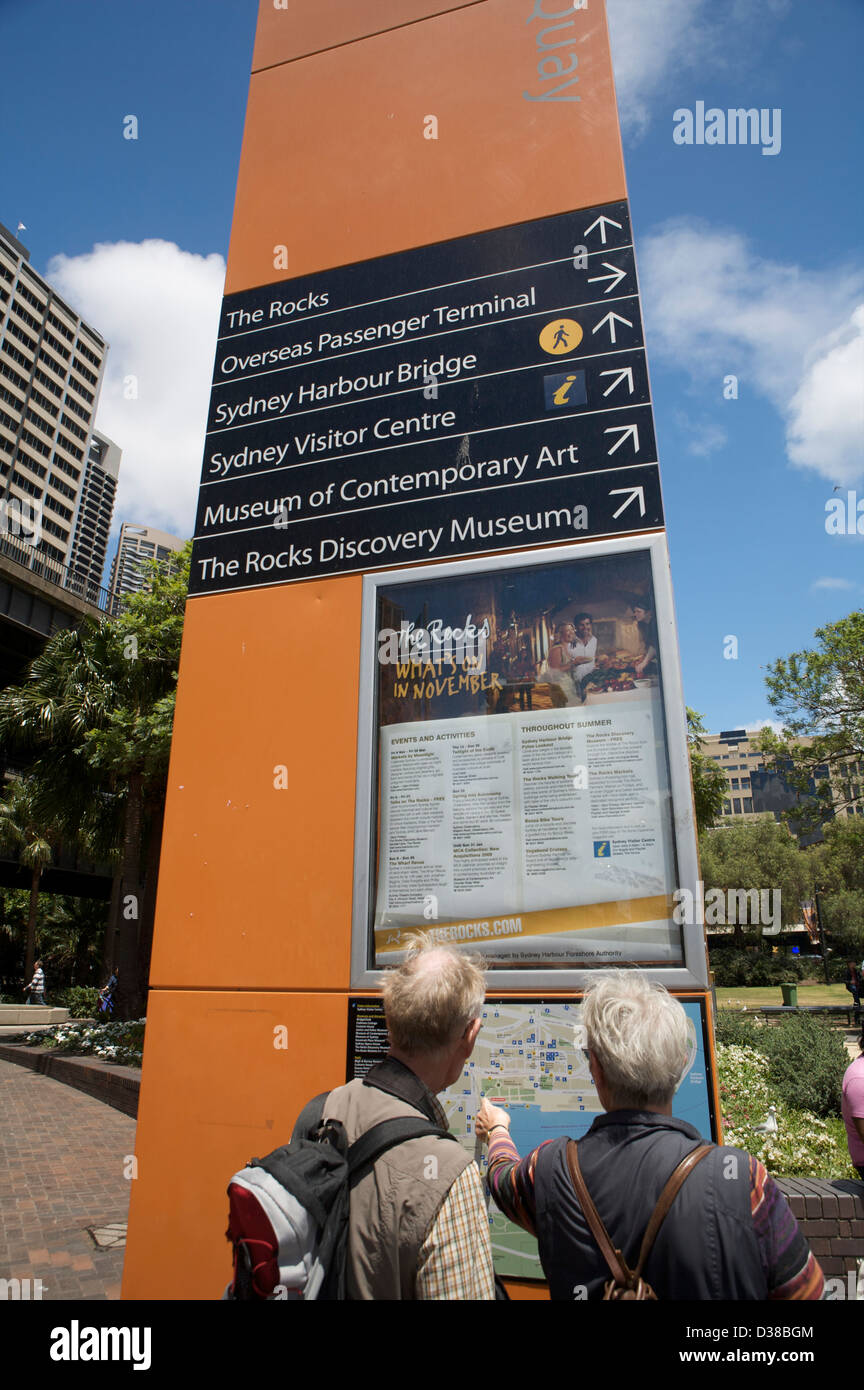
61 1160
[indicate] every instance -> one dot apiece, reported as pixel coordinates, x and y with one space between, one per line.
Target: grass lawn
756 996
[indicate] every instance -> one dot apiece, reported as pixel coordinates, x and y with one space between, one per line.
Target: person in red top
852 1109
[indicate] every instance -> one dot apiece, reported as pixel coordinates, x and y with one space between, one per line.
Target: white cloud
714 307
158 309
827 411
649 40
660 46
828 583
703 436
764 724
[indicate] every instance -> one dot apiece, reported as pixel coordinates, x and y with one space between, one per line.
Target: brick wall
832 1220
116 1086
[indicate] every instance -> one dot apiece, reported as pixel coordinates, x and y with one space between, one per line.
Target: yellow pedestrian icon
560 336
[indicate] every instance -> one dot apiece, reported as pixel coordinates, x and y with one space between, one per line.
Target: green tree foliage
757 854
95 717
31 832
818 694
806 1057
709 783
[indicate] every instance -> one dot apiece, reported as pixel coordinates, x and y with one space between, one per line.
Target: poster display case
523 780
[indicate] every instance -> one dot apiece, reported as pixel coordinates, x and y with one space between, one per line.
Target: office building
51 366
136 546
92 524
738 754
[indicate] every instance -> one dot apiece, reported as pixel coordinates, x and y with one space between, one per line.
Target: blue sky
750 265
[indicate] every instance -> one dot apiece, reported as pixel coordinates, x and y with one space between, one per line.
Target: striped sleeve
511 1180
790 1267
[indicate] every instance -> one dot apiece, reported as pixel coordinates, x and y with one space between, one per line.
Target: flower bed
803 1146
110 1042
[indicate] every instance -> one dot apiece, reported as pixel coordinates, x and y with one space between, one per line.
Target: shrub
112 1042
736 968
737 1029
806 1062
803 1146
81 1000
806 1058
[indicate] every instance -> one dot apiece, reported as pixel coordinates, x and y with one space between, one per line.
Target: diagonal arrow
616 277
625 371
610 319
625 431
601 223
632 494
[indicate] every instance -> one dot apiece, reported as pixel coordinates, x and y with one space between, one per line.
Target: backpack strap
310 1117
366 1150
395 1079
614 1258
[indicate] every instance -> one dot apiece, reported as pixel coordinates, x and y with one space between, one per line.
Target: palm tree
23 827
95 713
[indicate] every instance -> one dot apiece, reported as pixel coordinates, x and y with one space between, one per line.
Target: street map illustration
528 1058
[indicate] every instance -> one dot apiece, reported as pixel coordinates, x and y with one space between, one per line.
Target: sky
751 267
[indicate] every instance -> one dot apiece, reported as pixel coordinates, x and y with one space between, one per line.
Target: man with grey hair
729 1233
418 1227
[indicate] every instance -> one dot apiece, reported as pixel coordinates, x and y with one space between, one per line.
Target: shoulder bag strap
667 1197
614 1258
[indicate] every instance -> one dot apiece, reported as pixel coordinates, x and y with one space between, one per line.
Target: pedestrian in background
852 1108
36 989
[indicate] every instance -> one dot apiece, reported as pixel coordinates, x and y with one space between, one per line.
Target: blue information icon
565 389
602 849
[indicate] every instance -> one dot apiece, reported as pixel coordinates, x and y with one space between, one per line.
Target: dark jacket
706 1248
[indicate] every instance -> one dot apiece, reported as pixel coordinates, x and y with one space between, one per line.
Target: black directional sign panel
487 393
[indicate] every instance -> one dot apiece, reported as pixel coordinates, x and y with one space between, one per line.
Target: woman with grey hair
728 1234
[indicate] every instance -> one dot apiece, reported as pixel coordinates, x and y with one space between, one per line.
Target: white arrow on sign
626 432
632 494
619 377
616 277
610 319
601 223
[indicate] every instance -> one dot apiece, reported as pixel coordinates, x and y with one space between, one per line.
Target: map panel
528 1058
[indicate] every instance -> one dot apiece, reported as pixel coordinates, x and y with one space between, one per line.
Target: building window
745 784
736 802
748 805
727 808
735 785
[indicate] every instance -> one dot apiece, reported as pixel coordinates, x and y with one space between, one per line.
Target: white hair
639 1035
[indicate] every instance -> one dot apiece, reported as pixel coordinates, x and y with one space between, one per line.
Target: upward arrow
610 319
601 223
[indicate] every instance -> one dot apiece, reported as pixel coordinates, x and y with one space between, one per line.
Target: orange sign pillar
373 126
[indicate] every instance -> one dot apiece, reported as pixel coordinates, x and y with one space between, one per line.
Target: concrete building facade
137 545
737 753
51 367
